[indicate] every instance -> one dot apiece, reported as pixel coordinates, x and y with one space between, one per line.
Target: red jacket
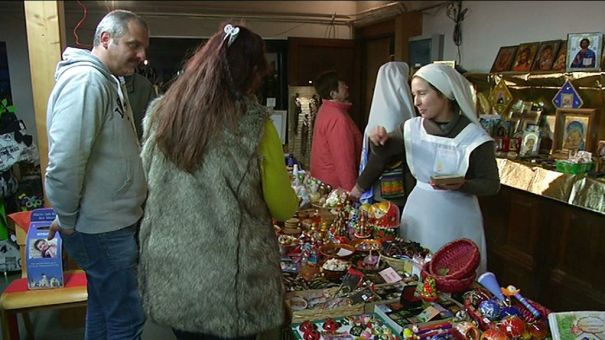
336 146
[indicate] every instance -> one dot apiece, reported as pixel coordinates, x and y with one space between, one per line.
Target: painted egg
490 309
493 334
307 326
312 335
538 330
514 326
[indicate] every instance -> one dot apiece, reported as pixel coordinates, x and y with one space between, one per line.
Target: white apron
436 217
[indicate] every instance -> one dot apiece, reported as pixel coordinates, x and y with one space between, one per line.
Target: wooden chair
18 299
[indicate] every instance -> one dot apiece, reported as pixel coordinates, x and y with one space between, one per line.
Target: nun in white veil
391 105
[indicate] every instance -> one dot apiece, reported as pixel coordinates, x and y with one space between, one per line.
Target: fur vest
209 260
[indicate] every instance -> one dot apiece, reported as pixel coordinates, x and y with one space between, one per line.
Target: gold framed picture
504 59
584 51
559 63
526 53
529 118
546 55
574 130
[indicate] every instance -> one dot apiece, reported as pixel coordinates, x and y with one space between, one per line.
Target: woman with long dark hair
216 174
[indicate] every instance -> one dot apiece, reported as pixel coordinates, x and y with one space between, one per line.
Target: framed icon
584 51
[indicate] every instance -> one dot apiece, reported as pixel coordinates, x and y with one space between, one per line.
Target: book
577 325
447 179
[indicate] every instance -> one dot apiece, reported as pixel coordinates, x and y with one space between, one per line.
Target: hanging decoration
500 97
456 13
567 97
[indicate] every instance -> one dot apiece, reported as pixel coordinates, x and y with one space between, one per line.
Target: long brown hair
208 96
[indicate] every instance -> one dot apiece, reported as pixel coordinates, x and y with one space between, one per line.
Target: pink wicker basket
456 260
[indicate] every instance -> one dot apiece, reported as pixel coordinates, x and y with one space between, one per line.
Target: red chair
18 299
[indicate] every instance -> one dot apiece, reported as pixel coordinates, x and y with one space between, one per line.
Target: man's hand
355 193
378 135
54 227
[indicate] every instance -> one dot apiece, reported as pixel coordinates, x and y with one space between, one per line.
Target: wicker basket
450 285
459 259
322 313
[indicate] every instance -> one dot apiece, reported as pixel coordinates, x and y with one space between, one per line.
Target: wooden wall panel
45 40
551 250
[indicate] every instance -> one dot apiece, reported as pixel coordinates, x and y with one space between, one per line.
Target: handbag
391 182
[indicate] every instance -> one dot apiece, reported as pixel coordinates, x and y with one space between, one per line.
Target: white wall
488 25
12 31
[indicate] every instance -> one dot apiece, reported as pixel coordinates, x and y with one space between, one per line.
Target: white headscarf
453 85
391 104
392 101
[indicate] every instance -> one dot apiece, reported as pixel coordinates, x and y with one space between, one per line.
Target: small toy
513 291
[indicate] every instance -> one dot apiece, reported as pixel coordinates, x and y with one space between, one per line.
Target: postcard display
43 257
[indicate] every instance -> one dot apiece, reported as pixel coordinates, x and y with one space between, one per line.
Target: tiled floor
47 325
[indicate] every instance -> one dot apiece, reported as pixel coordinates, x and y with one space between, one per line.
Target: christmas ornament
490 309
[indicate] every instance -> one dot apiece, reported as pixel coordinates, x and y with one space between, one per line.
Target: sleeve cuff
66 222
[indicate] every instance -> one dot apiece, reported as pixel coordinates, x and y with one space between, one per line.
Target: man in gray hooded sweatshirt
94 179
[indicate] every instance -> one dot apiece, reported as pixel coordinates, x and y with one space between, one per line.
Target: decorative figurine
429 290
385 220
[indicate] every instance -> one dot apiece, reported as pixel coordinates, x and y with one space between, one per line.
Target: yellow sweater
278 194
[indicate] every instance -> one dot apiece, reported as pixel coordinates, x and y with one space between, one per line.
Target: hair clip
231 32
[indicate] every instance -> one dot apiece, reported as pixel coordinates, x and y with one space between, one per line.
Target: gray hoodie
94 179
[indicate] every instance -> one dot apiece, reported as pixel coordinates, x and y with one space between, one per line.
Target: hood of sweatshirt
73 57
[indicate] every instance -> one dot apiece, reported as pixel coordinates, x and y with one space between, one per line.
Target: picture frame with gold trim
574 130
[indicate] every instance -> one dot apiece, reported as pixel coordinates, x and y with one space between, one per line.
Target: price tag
390 275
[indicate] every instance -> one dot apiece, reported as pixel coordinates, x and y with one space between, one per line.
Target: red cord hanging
78 44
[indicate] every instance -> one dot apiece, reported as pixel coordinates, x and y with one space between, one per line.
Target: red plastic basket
458 259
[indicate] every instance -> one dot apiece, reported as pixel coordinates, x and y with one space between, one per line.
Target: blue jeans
109 259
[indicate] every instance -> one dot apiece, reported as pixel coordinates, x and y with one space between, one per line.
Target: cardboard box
43 257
